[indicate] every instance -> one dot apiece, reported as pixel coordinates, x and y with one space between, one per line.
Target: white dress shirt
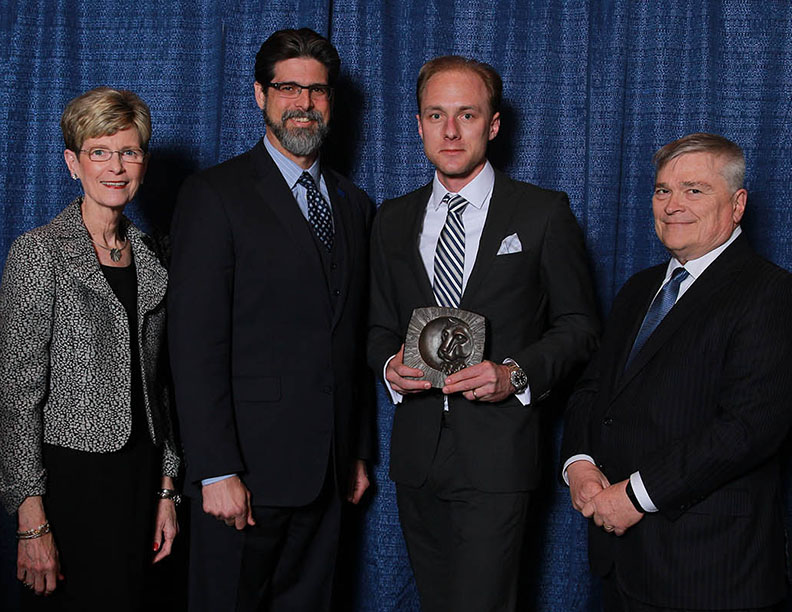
478 193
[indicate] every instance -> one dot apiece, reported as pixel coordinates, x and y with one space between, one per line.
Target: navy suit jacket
269 375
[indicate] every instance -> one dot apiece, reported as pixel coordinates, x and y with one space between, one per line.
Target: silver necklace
115 254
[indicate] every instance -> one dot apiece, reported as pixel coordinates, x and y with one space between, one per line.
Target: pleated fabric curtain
591 89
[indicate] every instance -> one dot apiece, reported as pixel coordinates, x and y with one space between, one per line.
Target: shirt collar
291 171
696 267
476 191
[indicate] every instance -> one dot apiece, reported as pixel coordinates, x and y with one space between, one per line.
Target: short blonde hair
103 111
446 63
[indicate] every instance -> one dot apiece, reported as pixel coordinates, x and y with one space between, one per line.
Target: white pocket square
510 244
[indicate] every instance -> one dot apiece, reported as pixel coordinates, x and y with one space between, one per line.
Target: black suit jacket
268 375
701 411
540 312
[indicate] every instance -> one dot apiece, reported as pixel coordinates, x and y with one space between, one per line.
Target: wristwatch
517 378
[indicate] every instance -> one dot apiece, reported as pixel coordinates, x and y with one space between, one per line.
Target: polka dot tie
319 214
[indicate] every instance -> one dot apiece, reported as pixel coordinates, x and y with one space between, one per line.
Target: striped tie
449 263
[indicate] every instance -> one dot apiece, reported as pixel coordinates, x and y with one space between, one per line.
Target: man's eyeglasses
316 91
127 156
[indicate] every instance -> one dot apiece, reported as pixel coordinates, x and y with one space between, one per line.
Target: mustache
311 115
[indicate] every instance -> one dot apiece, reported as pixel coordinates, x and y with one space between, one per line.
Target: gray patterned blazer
64 357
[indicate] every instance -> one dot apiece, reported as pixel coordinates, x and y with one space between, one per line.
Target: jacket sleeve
383 336
26 318
575 440
199 331
753 415
367 433
171 461
572 329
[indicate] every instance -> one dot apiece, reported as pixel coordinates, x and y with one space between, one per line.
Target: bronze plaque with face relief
441 341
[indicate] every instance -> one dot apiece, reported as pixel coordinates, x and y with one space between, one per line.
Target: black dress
101 506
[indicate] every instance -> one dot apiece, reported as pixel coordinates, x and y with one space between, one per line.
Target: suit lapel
642 303
718 274
344 236
152 278
75 246
278 197
501 209
414 218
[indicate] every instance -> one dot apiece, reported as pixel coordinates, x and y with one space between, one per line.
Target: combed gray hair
700 142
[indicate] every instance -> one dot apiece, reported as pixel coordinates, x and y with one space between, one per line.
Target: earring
74 175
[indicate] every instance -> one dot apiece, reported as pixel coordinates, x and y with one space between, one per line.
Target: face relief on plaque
442 341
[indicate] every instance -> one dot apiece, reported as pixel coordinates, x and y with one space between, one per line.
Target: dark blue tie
662 303
319 214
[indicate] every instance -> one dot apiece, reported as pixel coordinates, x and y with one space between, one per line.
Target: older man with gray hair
673 435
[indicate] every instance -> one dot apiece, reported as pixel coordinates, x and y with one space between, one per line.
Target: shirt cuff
214 479
524 396
395 396
571 460
641 493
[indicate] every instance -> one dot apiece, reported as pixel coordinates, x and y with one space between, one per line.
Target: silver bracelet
36 532
171 494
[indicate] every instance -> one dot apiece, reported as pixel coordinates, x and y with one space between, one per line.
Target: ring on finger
474 394
608 528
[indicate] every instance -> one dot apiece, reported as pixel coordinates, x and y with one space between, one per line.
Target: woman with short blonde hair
87 454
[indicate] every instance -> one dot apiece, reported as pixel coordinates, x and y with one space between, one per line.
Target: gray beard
299 141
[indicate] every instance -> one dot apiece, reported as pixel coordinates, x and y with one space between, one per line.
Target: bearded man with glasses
269 278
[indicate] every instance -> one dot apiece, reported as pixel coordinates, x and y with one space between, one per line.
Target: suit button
327 389
336 292
607 421
334 266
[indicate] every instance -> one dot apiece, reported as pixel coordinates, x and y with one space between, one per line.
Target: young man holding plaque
465 456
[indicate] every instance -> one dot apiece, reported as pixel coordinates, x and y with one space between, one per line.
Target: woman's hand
38 566
166 525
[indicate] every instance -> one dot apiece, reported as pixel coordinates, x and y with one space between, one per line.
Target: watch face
518 379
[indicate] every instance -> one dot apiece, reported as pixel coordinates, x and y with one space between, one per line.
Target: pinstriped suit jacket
701 411
64 358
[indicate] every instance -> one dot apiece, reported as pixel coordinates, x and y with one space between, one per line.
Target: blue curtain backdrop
592 89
